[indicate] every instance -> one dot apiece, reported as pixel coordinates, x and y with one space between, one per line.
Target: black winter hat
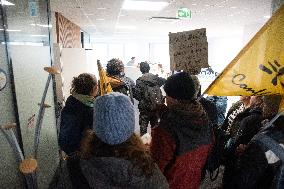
180 86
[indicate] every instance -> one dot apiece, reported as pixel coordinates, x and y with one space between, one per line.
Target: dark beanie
180 86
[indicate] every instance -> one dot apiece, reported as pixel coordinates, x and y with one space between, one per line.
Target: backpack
269 143
221 104
215 159
153 96
120 86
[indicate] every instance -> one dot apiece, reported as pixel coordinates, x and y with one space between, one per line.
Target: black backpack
215 158
124 89
152 95
268 143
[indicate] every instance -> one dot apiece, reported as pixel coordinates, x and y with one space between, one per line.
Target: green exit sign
184 13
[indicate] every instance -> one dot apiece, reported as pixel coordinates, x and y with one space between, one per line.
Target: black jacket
75 118
252 170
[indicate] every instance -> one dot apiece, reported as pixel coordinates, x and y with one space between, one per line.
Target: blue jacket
75 118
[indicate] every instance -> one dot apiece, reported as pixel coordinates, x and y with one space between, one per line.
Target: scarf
85 99
188 124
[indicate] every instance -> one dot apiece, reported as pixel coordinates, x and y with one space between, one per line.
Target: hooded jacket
141 84
75 118
117 173
181 144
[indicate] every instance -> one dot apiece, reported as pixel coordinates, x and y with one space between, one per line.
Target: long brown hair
133 150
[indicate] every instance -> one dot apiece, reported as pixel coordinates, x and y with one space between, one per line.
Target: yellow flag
258 69
105 86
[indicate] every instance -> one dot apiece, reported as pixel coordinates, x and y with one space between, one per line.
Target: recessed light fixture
266 16
101 8
100 19
144 5
126 27
233 7
193 4
4 2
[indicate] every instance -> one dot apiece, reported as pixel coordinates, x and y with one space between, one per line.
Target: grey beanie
114 118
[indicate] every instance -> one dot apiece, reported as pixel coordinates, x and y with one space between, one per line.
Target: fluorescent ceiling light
193 4
144 5
4 2
233 7
39 35
11 30
123 32
101 8
100 19
42 25
126 27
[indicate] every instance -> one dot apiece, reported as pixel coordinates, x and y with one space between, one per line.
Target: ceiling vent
163 19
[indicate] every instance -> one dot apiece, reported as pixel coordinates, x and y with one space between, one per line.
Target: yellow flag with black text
259 68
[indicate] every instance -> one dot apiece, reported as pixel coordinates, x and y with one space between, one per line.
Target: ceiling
220 17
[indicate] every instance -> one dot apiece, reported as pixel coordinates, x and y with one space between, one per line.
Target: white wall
76 61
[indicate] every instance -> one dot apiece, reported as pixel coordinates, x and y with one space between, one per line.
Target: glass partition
27 32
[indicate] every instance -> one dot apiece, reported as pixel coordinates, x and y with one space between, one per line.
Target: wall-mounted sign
33 7
3 79
184 13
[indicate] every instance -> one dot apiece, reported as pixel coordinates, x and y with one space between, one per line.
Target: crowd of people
97 134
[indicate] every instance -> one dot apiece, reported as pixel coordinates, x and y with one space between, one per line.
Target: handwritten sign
189 51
